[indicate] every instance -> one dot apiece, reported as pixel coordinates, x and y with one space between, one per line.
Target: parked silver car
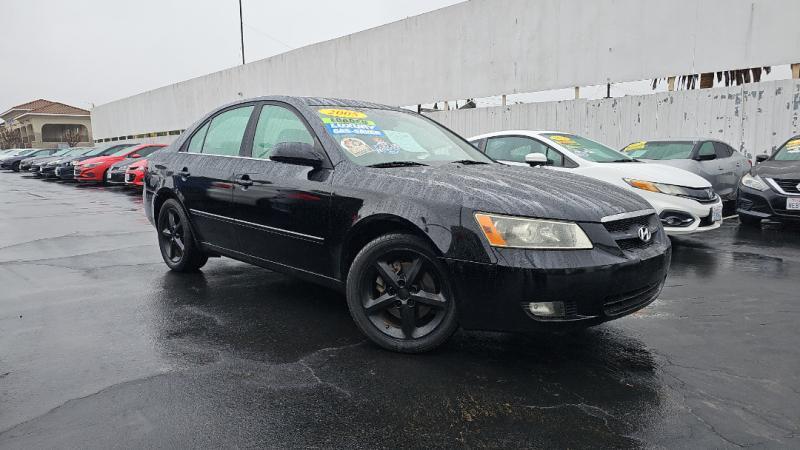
713 160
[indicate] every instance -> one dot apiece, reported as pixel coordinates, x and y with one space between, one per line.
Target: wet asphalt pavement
101 347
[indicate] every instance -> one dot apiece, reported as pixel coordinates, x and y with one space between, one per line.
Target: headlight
518 232
754 182
669 189
88 166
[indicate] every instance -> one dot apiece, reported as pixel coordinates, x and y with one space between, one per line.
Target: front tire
749 221
400 296
15 166
176 241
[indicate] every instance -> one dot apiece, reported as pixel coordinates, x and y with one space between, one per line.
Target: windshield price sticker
343 113
636 146
338 126
356 147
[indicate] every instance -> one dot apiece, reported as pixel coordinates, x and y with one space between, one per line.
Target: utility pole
241 29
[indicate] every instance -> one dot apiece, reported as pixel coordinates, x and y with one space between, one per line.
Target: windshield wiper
468 161
626 160
396 164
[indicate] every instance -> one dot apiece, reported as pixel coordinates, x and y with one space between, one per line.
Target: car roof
317 101
531 133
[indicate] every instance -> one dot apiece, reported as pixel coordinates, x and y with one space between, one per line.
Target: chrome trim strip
777 187
227 156
627 215
256 225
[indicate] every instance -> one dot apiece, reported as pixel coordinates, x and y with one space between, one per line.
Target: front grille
788 185
117 177
630 301
626 231
625 225
703 195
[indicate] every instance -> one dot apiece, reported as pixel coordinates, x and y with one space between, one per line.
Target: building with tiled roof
47 124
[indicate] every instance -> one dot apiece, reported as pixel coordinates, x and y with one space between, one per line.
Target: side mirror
298 153
706 157
536 159
135 155
761 158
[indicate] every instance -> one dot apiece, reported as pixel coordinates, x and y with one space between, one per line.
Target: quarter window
723 151
277 125
226 132
706 149
196 144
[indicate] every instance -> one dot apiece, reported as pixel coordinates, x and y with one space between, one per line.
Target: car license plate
793 203
716 213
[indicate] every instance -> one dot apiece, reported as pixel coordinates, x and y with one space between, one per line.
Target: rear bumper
495 296
765 204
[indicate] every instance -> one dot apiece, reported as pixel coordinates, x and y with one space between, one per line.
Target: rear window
660 150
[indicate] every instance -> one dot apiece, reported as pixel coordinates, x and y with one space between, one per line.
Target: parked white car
685 202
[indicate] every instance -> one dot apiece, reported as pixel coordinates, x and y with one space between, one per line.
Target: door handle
184 173
244 181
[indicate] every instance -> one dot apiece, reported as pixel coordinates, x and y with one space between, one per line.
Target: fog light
546 309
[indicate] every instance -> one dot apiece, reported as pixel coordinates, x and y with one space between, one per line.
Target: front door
205 173
282 210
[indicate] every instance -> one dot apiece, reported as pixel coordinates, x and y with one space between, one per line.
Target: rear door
204 172
283 210
710 169
728 170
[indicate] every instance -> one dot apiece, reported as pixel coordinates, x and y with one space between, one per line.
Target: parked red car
134 174
93 170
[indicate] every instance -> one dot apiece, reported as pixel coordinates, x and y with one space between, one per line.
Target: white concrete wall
482 48
754 118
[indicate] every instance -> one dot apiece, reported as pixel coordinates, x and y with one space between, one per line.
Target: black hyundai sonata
420 230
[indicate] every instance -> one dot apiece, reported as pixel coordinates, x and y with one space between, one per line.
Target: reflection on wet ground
103 347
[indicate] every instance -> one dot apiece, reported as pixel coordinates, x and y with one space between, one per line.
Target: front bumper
90 175
701 213
595 286
64 172
765 204
134 178
115 177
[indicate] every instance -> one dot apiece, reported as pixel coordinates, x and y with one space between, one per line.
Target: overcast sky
85 52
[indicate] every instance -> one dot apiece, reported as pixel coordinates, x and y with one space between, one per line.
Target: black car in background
771 190
32 163
13 162
64 170
420 230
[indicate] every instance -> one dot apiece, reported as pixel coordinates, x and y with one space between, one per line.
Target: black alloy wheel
176 241
399 295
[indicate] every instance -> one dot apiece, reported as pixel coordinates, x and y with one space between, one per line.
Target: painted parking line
731 217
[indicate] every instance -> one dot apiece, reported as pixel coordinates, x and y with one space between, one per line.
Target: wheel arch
370 228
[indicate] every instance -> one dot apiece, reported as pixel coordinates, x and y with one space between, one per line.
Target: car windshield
790 151
62 152
24 152
660 150
587 148
370 137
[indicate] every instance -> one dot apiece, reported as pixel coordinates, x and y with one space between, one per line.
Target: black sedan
420 230
771 190
13 162
32 164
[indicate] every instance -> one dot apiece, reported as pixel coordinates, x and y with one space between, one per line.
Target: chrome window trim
627 215
256 225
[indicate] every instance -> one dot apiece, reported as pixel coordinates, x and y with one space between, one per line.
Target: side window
512 148
723 151
276 125
196 144
707 149
147 151
226 132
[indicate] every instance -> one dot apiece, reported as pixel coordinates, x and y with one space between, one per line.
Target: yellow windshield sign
636 146
345 113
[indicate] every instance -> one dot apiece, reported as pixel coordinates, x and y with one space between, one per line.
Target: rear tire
749 221
400 296
176 240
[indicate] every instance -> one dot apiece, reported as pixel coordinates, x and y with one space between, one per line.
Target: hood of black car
521 191
778 169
